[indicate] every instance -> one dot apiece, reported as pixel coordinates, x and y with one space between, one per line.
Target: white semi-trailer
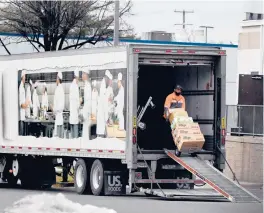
129 142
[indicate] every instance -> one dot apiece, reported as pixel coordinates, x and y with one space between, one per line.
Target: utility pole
206 27
184 12
116 23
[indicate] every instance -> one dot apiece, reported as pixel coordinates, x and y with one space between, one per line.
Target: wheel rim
79 176
15 167
96 177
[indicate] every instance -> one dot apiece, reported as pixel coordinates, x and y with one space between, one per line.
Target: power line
206 27
183 12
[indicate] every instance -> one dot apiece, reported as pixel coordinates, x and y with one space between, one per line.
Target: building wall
250 47
245 157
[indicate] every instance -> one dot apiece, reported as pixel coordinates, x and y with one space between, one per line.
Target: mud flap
114 183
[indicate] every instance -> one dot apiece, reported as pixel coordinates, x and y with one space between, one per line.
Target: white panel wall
249 61
231 76
10 104
111 60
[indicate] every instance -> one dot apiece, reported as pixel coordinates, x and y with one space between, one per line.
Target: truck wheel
97 178
81 177
12 177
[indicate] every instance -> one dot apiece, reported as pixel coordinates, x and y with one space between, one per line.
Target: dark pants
74 130
60 131
21 128
35 129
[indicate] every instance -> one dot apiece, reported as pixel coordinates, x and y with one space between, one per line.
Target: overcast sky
225 16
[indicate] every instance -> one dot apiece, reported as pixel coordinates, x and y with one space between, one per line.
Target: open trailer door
155 71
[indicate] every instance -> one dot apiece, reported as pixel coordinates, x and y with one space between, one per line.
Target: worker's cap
86 70
94 83
30 82
119 76
108 74
44 84
59 75
76 73
177 86
23 72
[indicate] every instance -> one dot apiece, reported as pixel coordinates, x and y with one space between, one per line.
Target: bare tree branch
5 47
49 24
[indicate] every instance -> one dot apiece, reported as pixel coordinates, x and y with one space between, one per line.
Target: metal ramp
215 179
185 194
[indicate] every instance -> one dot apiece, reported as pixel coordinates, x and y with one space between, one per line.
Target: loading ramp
214 178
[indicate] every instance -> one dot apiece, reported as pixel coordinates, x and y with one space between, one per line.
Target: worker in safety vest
174 100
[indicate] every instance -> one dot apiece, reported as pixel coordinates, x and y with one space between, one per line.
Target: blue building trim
178 43
145 41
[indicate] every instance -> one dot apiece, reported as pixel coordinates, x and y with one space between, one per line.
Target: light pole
206 27
184 12
116 23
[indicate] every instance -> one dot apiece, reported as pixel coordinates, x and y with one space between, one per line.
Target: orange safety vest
173 101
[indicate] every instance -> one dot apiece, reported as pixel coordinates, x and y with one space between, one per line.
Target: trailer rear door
153 71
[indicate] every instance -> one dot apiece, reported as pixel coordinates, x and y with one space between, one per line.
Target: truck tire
12 177
82 177
97 178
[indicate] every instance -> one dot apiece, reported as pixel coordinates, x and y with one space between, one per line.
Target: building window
260 16
251 16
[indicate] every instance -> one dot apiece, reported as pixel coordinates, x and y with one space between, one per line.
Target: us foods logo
114 183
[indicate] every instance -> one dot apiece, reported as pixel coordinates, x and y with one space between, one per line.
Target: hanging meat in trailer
100 111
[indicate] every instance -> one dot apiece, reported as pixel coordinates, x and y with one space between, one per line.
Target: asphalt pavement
138 203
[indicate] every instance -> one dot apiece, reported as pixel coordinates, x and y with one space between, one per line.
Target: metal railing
244 120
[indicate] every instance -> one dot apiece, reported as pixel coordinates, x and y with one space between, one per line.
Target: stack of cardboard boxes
186 134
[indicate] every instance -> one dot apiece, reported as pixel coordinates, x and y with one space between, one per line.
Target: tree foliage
60 25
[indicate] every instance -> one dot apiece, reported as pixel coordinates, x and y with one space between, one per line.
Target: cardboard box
180 119
177 112
178 132
187 126
113 132
189 142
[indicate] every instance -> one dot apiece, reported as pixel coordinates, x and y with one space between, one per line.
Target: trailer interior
198 81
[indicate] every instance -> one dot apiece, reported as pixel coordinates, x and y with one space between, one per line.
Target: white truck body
11 142
201 70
